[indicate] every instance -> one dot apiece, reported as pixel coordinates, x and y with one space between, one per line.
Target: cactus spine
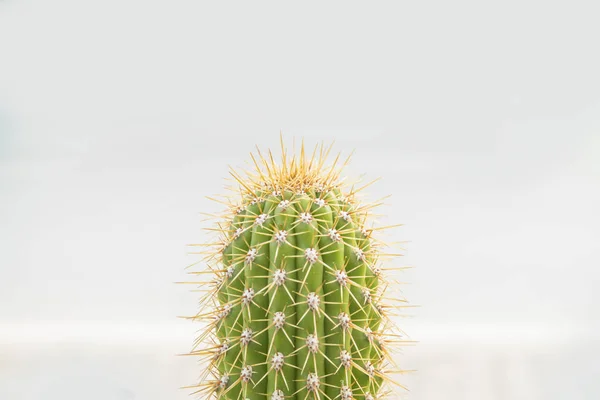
297 295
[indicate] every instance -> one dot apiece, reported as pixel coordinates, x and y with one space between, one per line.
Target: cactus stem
297 298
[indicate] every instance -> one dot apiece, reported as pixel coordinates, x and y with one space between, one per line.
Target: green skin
310 276
303 279
235 287
337 300
358 310
282 299
222 325
254 313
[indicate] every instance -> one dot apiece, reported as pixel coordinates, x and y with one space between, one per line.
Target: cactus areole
296 306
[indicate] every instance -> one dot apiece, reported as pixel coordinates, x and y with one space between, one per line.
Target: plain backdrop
118 117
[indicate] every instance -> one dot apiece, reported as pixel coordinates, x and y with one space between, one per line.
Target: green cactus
296 303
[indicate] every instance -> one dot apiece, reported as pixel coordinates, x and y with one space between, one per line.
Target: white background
118 117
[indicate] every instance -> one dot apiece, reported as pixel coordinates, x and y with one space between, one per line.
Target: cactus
296 297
